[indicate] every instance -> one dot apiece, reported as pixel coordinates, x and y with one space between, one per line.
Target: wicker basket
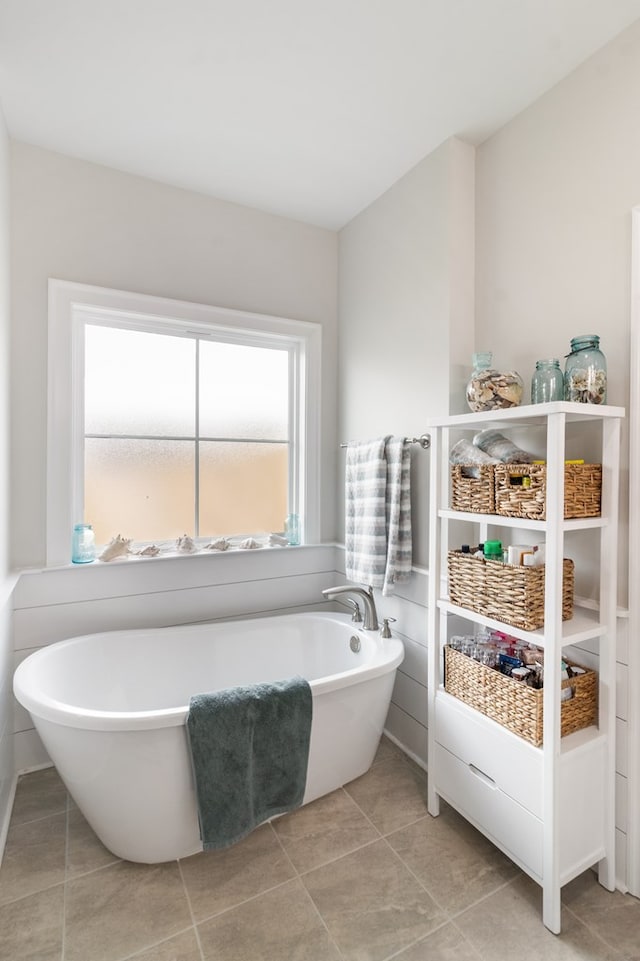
508 593
472 488
582 490
515 705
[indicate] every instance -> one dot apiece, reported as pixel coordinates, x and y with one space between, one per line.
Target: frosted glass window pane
138 383
244 391
139 488
243 488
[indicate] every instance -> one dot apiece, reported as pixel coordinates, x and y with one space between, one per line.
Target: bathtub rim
389 655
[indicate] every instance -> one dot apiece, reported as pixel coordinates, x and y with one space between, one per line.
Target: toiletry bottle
493 550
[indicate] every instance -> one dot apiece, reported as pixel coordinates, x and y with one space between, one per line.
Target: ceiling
306 109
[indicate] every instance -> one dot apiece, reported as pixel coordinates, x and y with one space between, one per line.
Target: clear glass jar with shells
490 389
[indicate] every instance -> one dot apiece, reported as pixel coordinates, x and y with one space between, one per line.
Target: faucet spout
370 614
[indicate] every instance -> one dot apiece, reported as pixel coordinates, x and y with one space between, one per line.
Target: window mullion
196 520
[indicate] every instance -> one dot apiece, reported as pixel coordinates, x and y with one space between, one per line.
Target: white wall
406 311
6 698
555 188
405 344
82 222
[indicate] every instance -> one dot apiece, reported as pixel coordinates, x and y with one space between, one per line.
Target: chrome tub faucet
370 614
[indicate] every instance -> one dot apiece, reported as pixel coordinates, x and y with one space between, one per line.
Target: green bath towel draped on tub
249 751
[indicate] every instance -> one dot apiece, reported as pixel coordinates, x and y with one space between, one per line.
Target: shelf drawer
505 822
512 763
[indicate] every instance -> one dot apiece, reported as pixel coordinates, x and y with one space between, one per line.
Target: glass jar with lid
489 389
585 371
547 383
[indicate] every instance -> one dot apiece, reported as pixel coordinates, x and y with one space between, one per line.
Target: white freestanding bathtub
110 709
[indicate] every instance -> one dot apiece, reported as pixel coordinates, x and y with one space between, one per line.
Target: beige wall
81 222
406 311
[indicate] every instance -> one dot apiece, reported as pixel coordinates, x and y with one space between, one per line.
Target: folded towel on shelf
378 512
249 752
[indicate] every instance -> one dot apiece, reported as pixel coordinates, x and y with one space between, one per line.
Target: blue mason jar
292 529
83 549
585 371
547 383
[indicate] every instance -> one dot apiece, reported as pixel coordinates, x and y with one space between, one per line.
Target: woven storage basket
513 595
582 490
515 705
472 488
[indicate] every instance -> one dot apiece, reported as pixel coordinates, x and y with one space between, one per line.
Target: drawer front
471 792
514 765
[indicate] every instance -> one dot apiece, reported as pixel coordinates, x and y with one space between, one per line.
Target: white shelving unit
551 808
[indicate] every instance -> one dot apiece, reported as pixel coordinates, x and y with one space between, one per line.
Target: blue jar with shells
585 371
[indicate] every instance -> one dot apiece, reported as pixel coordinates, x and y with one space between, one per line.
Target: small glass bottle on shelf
547 383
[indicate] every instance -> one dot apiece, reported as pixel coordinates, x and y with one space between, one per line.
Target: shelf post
433 633
607 666
554 551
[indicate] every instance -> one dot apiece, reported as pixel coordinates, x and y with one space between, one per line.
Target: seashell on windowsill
249 544
278 540
186 545
117 547
220 544
151 551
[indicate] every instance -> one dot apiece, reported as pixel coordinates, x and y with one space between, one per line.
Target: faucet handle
385 630
356 617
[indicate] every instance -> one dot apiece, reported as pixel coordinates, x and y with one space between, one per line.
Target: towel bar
424 440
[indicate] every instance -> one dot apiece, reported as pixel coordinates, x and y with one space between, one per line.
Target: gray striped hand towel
378 512
398 512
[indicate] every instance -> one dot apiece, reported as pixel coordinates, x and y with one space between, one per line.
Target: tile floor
361 875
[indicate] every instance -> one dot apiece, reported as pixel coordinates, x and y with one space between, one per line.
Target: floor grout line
45 817
30 894
576 917
140 951
299 877
238 904
191 914
63 945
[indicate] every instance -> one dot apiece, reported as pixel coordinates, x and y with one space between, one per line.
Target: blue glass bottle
292 529
84 544
547 383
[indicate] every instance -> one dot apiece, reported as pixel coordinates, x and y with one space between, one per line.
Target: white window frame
72 305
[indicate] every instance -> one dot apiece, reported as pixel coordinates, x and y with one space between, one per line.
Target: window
168 418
